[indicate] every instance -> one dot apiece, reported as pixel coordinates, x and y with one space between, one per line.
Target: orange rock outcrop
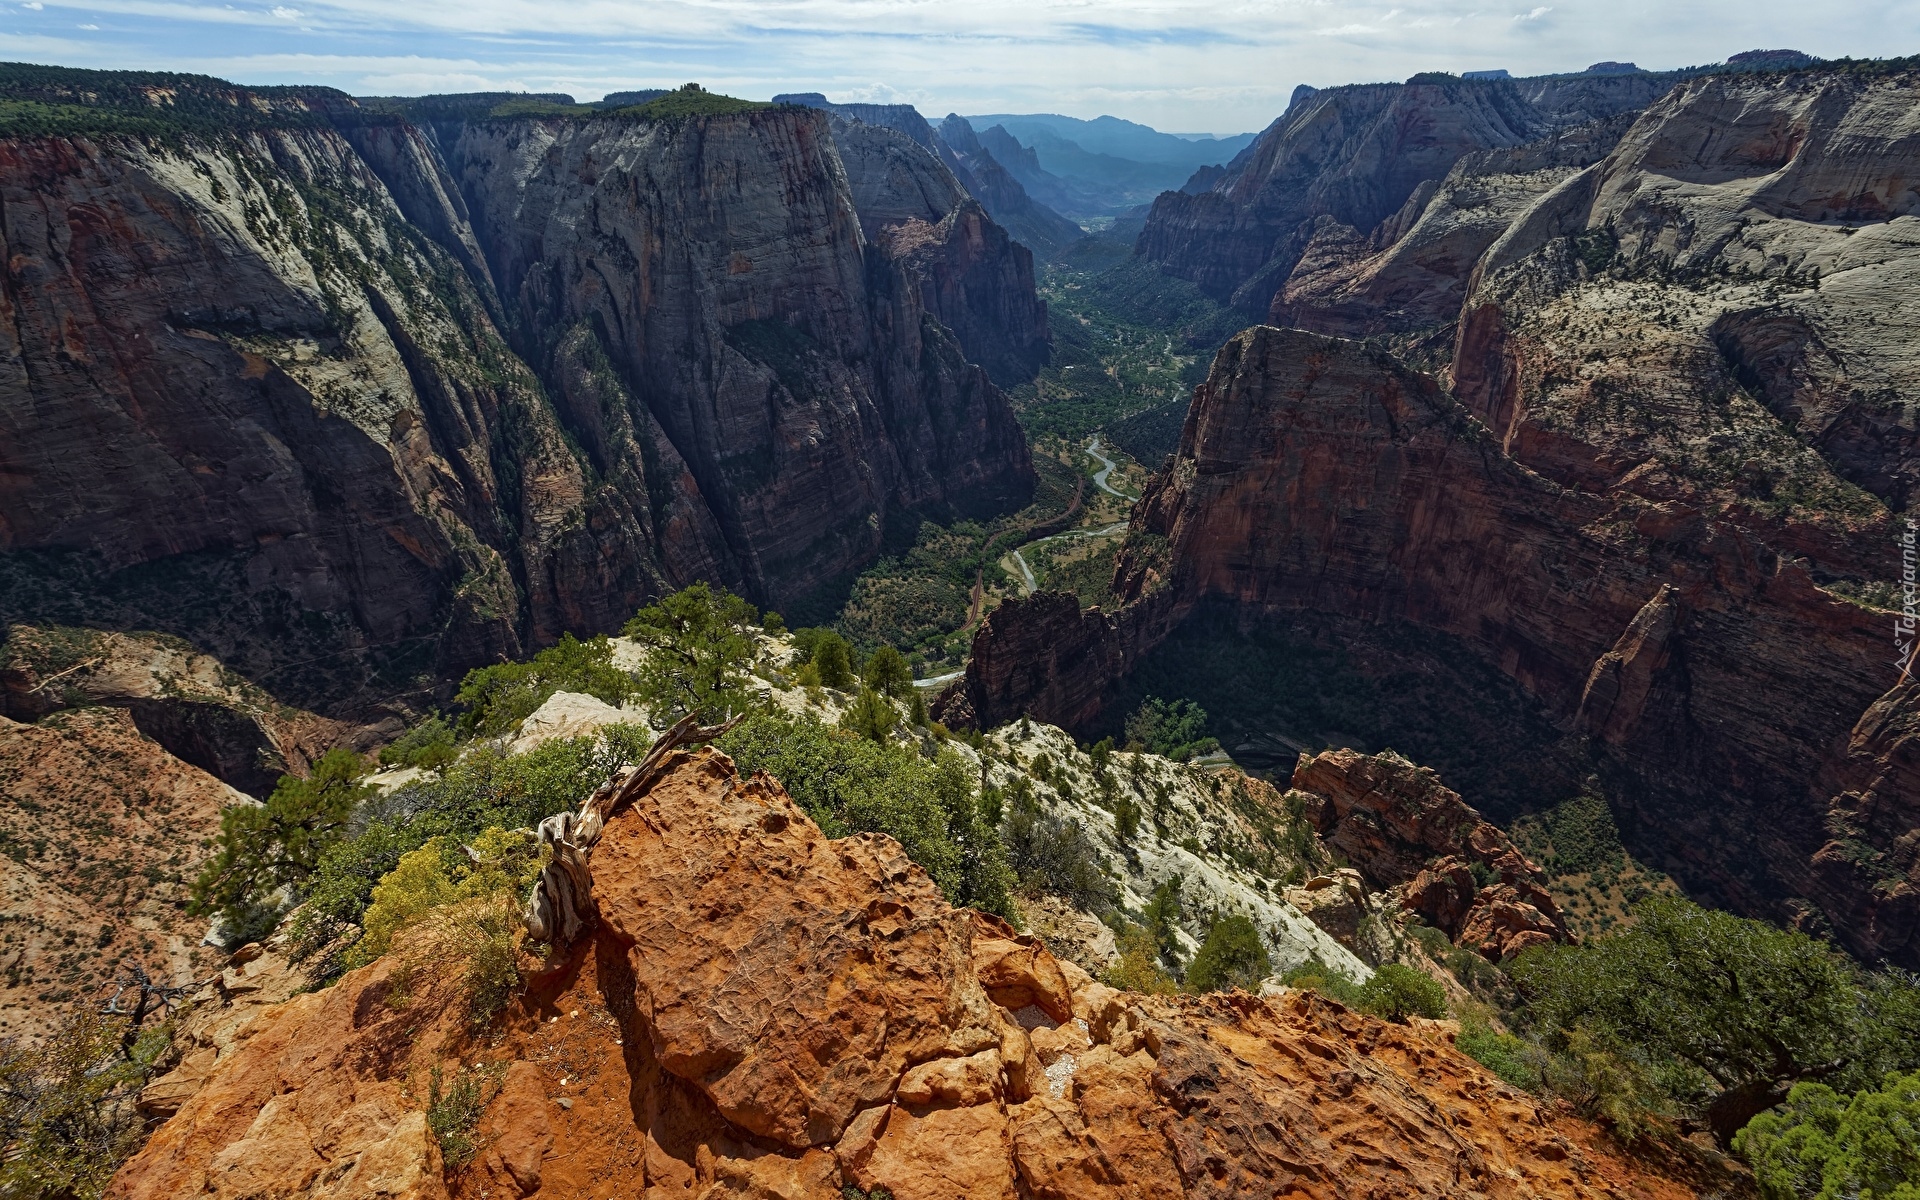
766 1012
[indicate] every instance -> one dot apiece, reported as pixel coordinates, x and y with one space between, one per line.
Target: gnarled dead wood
561 906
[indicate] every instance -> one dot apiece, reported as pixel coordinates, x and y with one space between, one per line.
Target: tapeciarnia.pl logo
1903 626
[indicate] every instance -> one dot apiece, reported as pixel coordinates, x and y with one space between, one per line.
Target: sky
1188 66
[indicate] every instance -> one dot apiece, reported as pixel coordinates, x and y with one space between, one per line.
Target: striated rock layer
1690 640
362 399
764 1012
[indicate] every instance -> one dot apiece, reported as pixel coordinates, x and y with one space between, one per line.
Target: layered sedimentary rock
974 278
398 398
1687 633
1404 830
766 1012
1354 156
1660 495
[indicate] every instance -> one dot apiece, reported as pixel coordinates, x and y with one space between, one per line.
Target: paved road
1100 476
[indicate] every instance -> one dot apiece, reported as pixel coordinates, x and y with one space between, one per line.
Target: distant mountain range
1100 167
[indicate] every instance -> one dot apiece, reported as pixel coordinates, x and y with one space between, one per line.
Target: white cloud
1224 65
87 27
34 5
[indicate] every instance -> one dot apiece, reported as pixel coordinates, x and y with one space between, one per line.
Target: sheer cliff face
458 389
1662 493
1355 155
973 277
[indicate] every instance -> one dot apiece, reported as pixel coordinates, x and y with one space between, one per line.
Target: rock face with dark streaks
1658 484
394 399
1690 639
1355 156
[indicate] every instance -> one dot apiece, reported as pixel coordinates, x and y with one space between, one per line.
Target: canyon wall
1657 481
325 386
1353 156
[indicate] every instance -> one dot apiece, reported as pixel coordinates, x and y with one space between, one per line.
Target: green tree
699 652
1722 1012
888 673
67 1115
1176 729
1233 955
266 852
1162 918
833 658
1396 992
497 698
1821 1145
871 715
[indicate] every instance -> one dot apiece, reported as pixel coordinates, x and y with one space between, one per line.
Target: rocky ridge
393 398
1655 481
693 1043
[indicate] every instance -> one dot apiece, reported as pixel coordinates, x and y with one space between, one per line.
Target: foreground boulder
762 1011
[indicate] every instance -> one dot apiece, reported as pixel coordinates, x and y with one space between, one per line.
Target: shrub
871 715
67 1116
1396 992
1162 918
1138 968
1502 1053
267 852
699 651
453 1113
486 787
428 745
1821 1145
1719 1012
1315 975
1051 854
773 623
849 784
1233 955
460 906
497 698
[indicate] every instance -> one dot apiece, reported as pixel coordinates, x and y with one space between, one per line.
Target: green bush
1050 854
266 853
1315 975
829 656
1396 992
1232 955
453 1113
485 787
67 1115
1162 920
1176 729
1719 1013
428 745
497 698
871 715
1821 1145
850 784
1138 967
1512 1059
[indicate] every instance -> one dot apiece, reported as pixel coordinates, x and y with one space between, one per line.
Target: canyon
388 392
1654 475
